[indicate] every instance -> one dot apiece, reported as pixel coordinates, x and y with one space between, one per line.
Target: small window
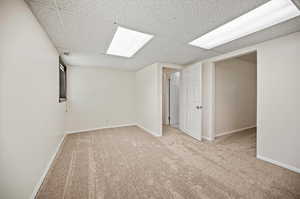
62 81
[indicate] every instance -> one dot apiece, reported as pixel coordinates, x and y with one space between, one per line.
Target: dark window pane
62 81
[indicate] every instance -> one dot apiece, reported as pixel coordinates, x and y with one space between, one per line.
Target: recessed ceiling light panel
127 42
267 15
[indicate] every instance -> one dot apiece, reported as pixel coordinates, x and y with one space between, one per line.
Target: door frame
161 84
211 106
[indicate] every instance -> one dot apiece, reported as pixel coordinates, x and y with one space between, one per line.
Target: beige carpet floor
128 163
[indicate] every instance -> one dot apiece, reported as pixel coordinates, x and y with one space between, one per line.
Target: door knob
199 107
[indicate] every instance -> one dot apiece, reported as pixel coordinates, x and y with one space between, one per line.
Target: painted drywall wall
31 119
278 131
235 95
99 97
208 96
278 107
174 99
149 99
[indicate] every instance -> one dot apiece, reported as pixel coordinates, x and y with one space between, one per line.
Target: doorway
170 95
233 102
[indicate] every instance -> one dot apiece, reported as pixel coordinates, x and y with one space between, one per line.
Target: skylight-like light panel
267 15
127 42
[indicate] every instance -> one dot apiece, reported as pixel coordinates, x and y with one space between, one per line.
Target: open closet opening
236 100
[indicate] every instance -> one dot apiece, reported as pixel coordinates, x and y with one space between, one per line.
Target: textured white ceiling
86 27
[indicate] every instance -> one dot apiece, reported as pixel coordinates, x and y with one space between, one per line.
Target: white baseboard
236 130
149 131
99 128
207 138
40 182
192 136
292 168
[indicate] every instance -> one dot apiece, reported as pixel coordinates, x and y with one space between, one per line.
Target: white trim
149 131
292 168
207 138
99 128
232 54
188 134
236 130
40 182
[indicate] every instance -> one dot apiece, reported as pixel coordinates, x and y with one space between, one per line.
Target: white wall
174 99
278 99
31 119
149 98
208 96
235 95
99 98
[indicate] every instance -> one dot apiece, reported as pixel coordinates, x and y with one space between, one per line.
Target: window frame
62 80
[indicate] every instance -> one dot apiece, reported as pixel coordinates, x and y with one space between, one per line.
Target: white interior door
190 101
174 99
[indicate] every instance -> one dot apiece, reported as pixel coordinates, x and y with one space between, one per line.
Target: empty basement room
139 99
